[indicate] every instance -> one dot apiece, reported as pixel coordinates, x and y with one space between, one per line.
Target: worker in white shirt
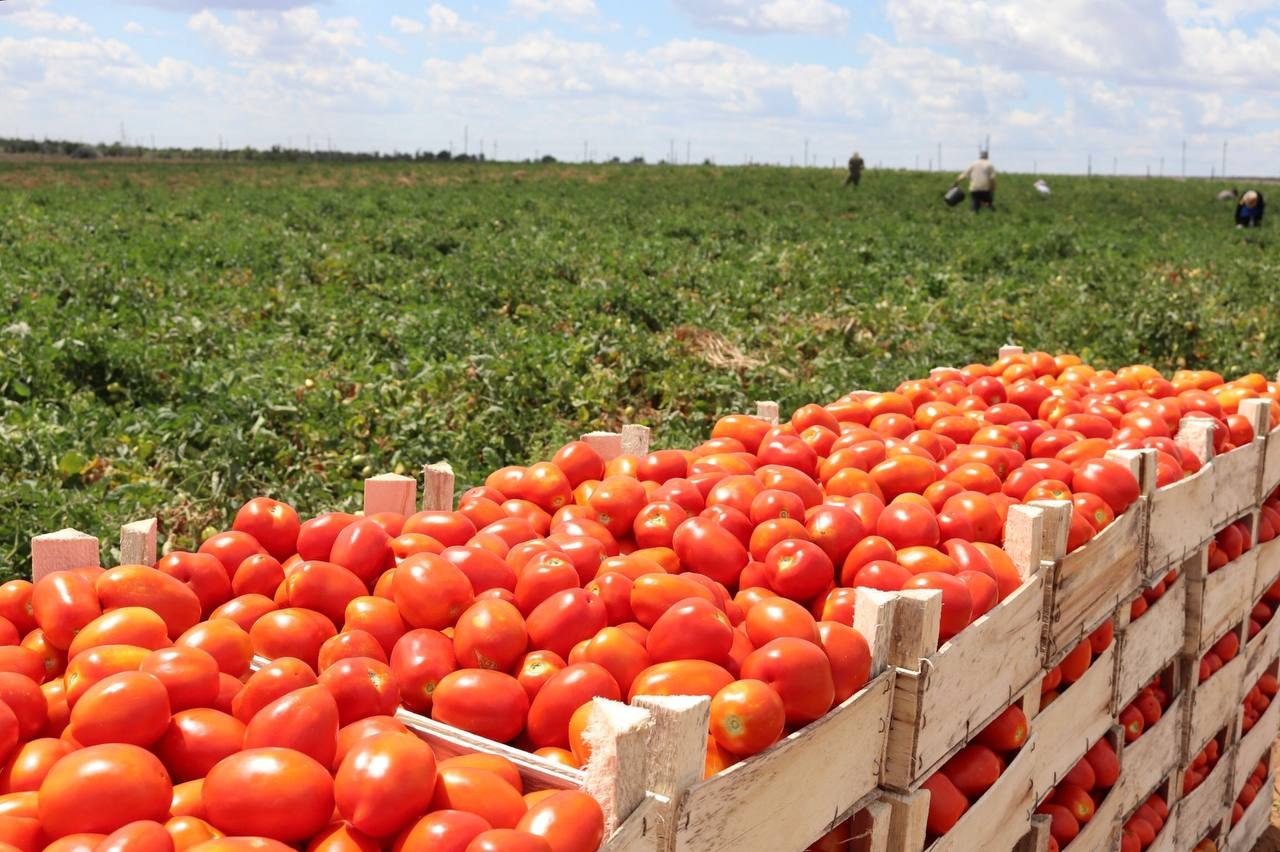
982 182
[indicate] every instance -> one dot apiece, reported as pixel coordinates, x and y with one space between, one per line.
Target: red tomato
102 788
970 516
799 672
291 632
693 629
957 604
348 645
480 792
129 707
655 524
273 524
747 716
1109 479
189 675
704 546
196 740
798 569
983 591
430 591
613 648
561 695
907 524
15 605
490 634
135 585
275 793
231 548
62 603
24 697
361 686
384 782
774 617
565 619
378 617
305 720
420 659
568 820
488 703
443 830
202 573
245 610
316 536
30 763
849 655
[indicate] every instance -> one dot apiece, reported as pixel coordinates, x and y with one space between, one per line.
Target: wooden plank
1148 645
909 813
607 444
1219 600
1151 758
1167 839
61 550
437 487
1271 465
1203 812
1215 705
1255 821
869 827
1268 571
1178 520
1037 837
639 833
1077 719
794 792
1087 585
138 542
999 819
391 492
1260 651
615 774
943 695
1237 474
634 440
1255 745
1103 831
767 410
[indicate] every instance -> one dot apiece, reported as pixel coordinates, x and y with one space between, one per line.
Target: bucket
953 196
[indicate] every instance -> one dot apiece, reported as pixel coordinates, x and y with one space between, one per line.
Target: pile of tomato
1203 763
1077 661
1148 820
1219 654
1257 700
1249 792
1072 803
728 570
1147 708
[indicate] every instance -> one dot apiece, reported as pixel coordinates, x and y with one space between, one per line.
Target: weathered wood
1237 474
1077 718
1151 758
639 833
908 813
437 487
1260 651
1147 646
391 492
138 542
607 444
1205 810
1103 830
1010 349
869 827
615 773
767 410
1037 837
1214 705
1000 818
1166 838
1268 571
1179 520
1217 601
634 440
1270 465
61 550
1244 836
1256 745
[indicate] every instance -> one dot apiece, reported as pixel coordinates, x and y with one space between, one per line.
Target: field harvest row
180 336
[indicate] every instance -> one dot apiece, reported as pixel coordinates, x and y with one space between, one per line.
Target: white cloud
35 15
443 21
768 16
134 28
407 26
295 34
555 8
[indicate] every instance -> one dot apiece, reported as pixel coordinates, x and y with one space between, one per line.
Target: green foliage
178 337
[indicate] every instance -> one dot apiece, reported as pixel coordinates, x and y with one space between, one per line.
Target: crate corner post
138 542
61 550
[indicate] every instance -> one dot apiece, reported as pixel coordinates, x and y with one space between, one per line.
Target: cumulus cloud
37 16
767 16
555 8
296 33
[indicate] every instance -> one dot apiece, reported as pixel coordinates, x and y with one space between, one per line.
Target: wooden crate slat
1217 601
1214 705
1261 650
1244 835
1076 720
1179 522
1147 646
1205 809
1152 757
1001 817
138 542
1268 570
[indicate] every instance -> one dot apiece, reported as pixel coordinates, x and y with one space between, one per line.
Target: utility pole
1224 159
939 156
1184 158
1115 166
584 150
1089 171
806 151
466 131
1161 165
688 146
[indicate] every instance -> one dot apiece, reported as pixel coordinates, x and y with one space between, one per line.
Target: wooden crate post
437 487
1196 433
607 444
138 542
391 492
677 751
767 410
615 773
634 440
908 821
1010 349
58 551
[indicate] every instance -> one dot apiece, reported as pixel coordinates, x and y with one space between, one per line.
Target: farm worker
1249 210
855 169
982 182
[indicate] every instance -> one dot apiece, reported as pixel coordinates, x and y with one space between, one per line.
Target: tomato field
180 337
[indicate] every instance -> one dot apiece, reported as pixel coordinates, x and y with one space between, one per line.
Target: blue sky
1055 83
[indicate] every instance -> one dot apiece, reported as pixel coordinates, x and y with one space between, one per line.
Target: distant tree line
276 153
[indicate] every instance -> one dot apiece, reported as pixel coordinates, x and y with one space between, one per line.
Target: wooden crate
793 792
1268 570
1037 837
632 814
1244 835
869 827
997 821
1180 521
1152 757
1166 840
1270 479
1147 646
1239 472
1084 587
1205 810
944 695
1256 744
1214 703
1102 831
1219 600
1261 650
1077 719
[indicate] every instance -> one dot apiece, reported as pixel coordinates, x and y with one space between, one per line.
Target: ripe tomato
135 585
946 804
747 716
613 648
305 720
377 616
835 529
907 524
225 641
341 836
693 629
487 703
27 767
131 625
291 632
245 610
704 546
384 782
102 788
316 536
202 573
1109 479
275 793
490 634
347 645
62 603
361 686
568 820
129 707
798 569
430 591
973 770
957 604
483 569
849 655
189 675
231 548
273 524
15 605
774 617
420 659
561 695
443 830
565 619
480 792
683 677
196 739
1005 732
799 672
187 832
27 701
655 524
970 516
324 587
